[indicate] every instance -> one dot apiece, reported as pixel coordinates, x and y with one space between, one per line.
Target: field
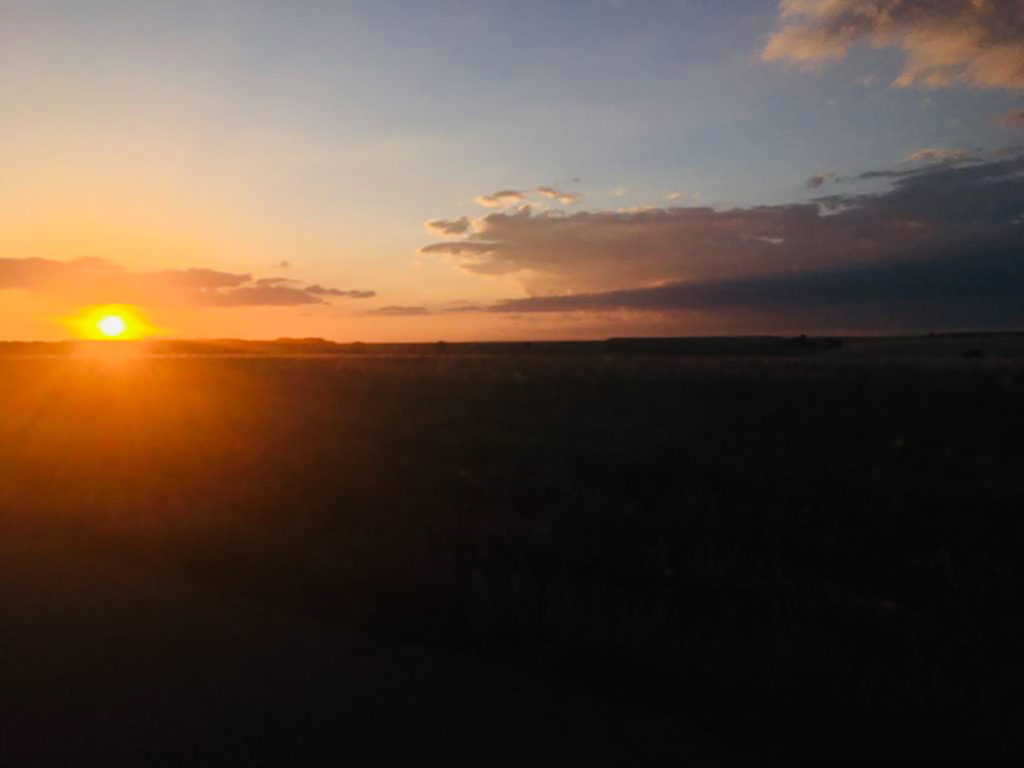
811 558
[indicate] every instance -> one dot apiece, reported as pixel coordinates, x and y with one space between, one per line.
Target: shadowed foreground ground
816 558
107 664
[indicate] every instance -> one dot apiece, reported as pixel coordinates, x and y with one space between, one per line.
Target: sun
112 322
112 326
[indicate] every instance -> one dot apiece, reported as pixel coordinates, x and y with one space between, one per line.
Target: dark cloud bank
942 249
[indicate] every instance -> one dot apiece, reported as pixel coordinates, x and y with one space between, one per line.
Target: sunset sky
418 170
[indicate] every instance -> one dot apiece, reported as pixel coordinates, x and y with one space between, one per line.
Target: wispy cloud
445 227
565 198
501 199
398 311
940 155
319 290
819 180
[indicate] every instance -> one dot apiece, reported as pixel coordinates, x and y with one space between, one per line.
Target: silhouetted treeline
940 345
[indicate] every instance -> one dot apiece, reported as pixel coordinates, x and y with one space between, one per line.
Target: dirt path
102 665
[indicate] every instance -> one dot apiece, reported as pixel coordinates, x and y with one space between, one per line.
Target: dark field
813 560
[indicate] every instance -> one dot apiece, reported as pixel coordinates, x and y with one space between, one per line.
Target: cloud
953 230
501 199
923 162
1011 152
944 42
466 250
398 311
98 281
673 196
565 198
939 155
259 295
974 289
818 181
319 290
282 265
1012 119
603 250
443 227
34 274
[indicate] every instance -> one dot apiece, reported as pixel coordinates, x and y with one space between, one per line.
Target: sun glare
112 322
112 326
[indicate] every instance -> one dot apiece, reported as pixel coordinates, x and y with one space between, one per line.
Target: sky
431 169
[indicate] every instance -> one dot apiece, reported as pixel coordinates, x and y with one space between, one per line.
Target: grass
817 557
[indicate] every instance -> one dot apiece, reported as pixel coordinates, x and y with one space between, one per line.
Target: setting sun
112 326
112 322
